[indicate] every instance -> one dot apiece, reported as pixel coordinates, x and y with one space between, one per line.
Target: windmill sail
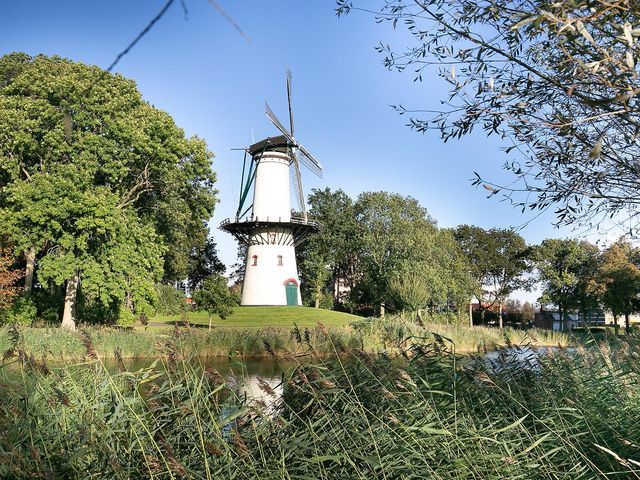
289 101
297 153
296 181
277 122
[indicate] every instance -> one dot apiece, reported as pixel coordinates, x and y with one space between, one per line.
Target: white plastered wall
271 196
264 283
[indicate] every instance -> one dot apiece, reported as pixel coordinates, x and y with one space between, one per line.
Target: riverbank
370 335
426 416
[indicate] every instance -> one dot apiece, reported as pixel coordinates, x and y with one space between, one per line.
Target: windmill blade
276 122
289 99
296 180
309 161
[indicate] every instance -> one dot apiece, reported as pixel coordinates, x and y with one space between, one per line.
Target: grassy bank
372 335
427 416
262 317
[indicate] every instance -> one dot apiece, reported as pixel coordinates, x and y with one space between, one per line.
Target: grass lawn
261 317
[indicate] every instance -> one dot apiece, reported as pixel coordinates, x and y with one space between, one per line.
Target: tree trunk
615 323
470 313
627 327
209 321
561 312
382 310
318 293
30 256
69 314
500 315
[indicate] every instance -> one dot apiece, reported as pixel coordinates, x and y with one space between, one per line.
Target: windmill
268 227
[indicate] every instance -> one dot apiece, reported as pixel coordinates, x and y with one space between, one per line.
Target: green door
292 293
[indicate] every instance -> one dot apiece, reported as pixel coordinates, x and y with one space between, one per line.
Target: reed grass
424 414
62 345
368 334
392 332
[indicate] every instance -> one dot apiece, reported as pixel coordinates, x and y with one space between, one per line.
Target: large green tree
499 260
203 262
100 190
329 258
381 250
395 234
618 281
565 270
557 81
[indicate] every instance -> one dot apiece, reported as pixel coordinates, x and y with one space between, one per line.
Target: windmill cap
271 144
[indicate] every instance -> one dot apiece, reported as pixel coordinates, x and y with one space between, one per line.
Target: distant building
550 320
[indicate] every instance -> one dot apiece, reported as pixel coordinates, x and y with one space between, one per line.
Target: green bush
171 301
23 311
126 317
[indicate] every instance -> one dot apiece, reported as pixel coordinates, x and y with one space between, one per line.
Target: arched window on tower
254 261
280 260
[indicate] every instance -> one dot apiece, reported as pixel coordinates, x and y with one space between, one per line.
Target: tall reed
424 414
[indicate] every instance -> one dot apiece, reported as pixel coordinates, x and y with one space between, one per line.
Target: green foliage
215 296
555 415
566 269
384 248
331 254
617 281
203 262
556 81
498 259
126 318
106 182
170 299
23 312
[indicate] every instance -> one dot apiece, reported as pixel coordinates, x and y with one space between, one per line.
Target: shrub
23 312
126 317
170 299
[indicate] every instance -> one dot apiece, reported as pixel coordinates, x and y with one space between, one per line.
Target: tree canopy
499 260
566 269
618 280
104 188
383 248
214 297
557 81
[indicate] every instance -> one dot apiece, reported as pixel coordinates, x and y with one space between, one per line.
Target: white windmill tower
268 226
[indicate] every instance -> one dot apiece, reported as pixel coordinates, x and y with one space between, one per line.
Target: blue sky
214 83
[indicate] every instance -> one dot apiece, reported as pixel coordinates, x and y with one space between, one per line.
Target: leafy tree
330 256
170 299
499 260
203 263
528 313
558 81
619 280
100 190
563 267
385 249
215 297
409 290
395 234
